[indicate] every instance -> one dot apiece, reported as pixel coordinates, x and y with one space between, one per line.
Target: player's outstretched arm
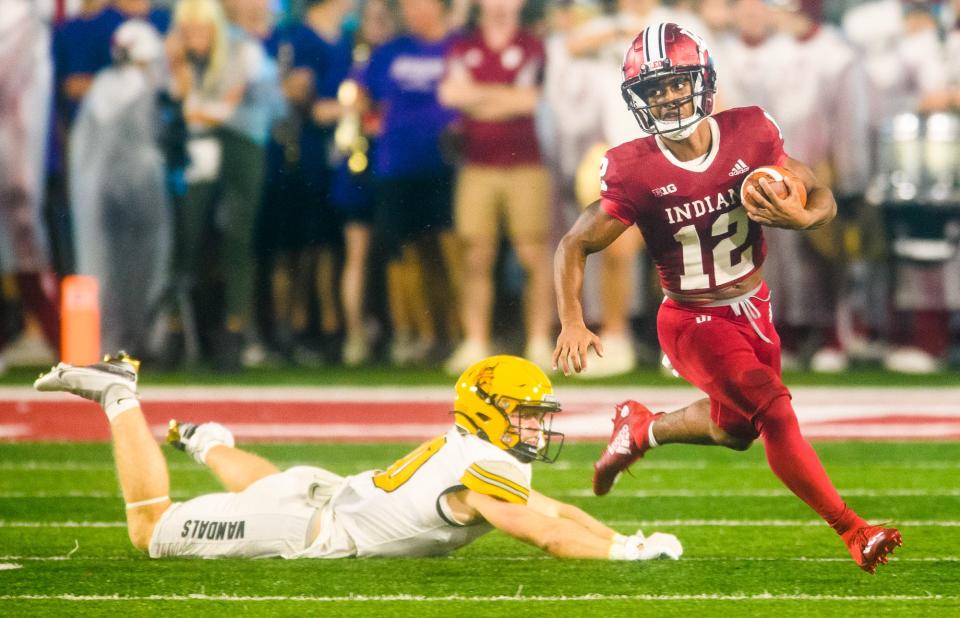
592 232
789 212
565 535
555 508
563 538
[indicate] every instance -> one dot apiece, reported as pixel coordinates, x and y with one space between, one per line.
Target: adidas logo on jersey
739 168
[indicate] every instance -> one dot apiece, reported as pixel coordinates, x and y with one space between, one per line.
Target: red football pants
725 355
720 353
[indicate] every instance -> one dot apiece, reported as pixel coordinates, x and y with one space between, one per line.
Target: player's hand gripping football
573 343
767 208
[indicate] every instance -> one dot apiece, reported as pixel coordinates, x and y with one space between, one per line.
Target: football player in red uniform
681 187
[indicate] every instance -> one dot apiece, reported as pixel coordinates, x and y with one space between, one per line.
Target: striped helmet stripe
654 36
661 39
646 44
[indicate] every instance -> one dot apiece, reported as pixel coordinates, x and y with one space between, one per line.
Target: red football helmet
660 51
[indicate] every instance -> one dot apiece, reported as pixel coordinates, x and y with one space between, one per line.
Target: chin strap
679 134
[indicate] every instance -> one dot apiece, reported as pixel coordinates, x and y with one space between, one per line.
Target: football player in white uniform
441 496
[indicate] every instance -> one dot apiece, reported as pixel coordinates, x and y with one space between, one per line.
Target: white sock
650 439
117 399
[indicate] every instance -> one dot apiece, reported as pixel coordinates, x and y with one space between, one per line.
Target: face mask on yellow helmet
509 402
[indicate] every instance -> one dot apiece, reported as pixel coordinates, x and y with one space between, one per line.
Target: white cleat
91 381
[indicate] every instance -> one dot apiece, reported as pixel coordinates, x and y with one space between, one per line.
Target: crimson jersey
512 141
696 230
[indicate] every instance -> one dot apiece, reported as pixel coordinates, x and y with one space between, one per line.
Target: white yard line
68 466
91 495
761 493
360 598
63 524
529 558
769 523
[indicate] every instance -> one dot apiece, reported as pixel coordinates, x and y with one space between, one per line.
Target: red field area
390 414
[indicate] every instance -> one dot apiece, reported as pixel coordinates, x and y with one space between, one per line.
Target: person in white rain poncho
122 224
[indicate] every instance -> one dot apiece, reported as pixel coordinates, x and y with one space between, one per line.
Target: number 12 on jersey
695 275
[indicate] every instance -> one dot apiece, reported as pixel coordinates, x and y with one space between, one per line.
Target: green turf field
751 548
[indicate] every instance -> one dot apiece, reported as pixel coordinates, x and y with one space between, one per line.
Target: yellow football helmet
494 396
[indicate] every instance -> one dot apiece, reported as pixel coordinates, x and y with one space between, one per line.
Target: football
774 176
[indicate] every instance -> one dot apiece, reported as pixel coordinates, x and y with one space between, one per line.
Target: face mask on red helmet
659 52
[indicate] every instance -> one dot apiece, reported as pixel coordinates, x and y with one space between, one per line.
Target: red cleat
870 545
630 418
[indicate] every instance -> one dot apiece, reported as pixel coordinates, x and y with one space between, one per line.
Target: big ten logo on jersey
665 190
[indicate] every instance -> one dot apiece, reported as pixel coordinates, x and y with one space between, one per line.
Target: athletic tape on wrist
623 548
202 455
618 551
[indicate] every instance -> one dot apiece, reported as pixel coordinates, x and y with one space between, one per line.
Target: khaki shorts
270 518
487 195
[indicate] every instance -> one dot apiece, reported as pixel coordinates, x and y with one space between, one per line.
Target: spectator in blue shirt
352 191
82 45
301 231
413 213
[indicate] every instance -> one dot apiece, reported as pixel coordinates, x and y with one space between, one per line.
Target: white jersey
403 511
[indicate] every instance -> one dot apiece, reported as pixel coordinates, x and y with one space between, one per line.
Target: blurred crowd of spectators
321 181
